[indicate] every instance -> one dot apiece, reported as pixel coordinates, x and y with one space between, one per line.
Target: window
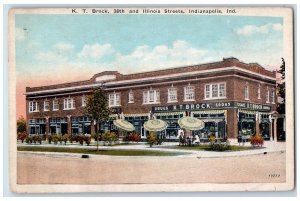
189 93
215 91
69 104
246 92
83 101
130 97
151 96
268 96
273 97
114 99
258 92
46 106
33 106
172 94
55 105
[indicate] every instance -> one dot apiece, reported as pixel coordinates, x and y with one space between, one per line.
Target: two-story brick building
232 98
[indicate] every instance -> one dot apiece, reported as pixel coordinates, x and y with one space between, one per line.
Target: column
257 124
69 125
275 129
47 125
271 130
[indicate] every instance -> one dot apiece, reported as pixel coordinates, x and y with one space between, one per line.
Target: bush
110 137
256 140
212 138
49 138
87 139
37 139
151 138
66 137
28 140
220 146
22 136
80 139
134 137
55 138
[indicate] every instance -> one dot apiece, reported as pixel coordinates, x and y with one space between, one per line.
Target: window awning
168 113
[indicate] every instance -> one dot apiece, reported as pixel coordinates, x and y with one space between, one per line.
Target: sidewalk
269 146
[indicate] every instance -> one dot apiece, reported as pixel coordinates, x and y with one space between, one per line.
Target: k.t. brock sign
212 105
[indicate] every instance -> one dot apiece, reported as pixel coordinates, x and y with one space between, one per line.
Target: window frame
208 91
268 96
174 89
113 100
83 100
33 106
247 92
46 101
155 98
70 103
55 103
185 93
130 97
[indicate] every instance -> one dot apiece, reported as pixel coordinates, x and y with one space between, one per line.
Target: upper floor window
131 97
246 92
268 96
273 97
258 92
215 91
55 105
151 96
83 101
33 106
46 106
189 93
69 103
172 94
114 99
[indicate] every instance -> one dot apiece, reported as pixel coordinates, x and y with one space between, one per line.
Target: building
232 98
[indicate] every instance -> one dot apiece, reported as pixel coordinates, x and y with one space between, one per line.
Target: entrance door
64 128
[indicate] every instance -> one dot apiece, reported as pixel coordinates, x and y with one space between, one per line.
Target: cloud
161 56
58 53
20 34
63 46
252 29
95 51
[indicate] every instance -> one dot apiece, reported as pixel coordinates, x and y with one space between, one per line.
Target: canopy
155 125
124 125
191 123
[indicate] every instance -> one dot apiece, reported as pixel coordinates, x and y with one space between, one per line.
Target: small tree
151 138
97 108
281 89
21 124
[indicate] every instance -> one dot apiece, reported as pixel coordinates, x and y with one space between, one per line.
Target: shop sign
211 105
116 110
253 106
193 106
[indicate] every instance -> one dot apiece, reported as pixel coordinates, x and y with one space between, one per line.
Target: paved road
71 169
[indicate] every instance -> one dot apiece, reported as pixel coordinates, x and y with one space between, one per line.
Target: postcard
151 99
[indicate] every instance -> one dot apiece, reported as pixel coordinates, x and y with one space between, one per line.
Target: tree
281 89
97 109
21 124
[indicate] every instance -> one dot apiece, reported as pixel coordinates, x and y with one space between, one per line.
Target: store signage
211 105
116 110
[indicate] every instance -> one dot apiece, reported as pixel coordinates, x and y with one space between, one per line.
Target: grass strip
207 147
100 152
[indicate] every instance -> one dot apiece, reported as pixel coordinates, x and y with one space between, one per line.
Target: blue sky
49 46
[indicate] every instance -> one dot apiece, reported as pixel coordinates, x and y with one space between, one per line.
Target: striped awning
168 113
137 115
247 111
208 112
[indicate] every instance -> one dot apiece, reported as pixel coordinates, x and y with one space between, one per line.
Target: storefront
138 121
37 126
81 125
58 125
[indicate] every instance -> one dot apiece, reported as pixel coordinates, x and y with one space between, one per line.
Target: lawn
100 152
207 147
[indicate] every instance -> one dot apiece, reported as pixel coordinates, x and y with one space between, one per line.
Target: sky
62 48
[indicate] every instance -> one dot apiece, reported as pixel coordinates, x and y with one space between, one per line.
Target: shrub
212 138
220 146
87 139
151 138
73 138
110 137
37 139
126 138
134 137
22 136
80 139
28 140
49 138
256 140
65 138
55 138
